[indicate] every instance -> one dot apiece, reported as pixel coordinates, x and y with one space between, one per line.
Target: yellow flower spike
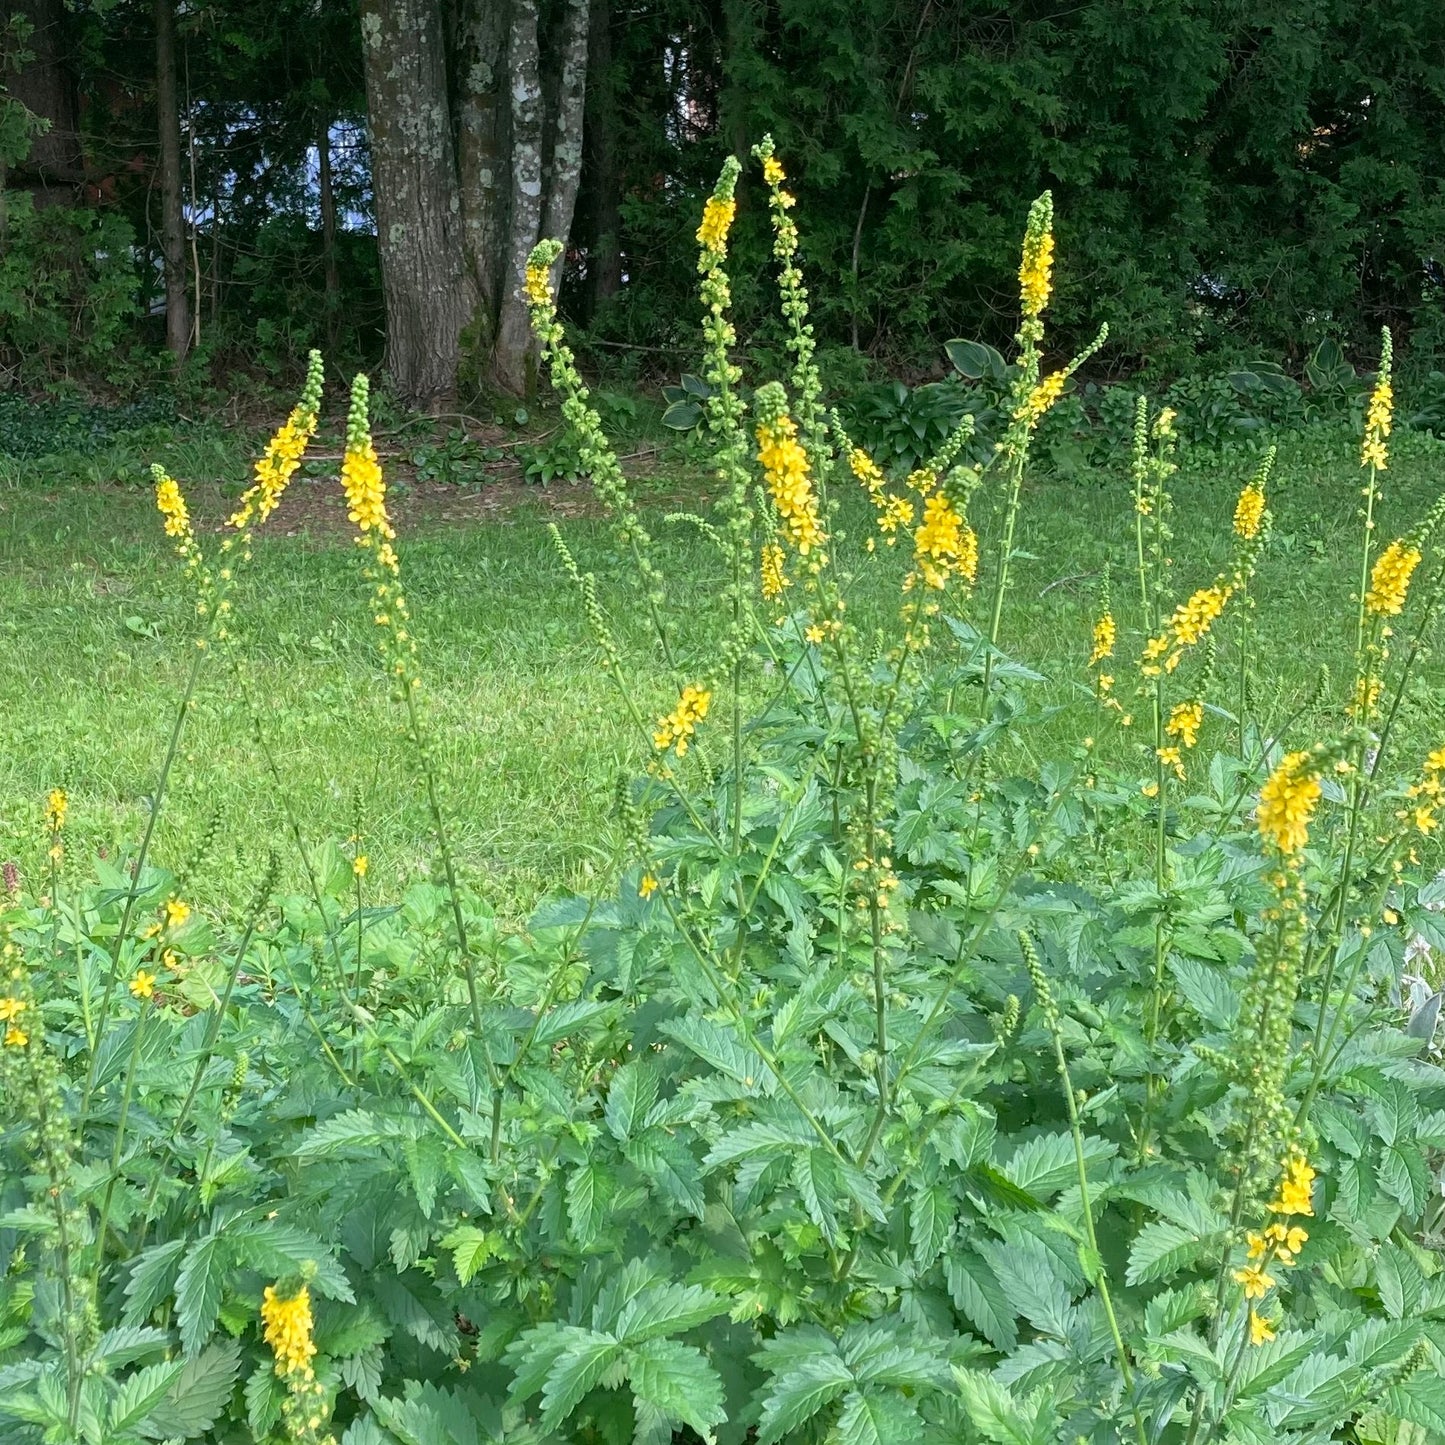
1106 633
1373 451
1249 513
675 730
1185 721
1286 805
1390 578
278 463
1036 268
361 477
1296 1188
717 220
1192 619
537 284
1041 398
944 544
772 577
773 172
287 1328
57 804
172 505
1261 1331
786 472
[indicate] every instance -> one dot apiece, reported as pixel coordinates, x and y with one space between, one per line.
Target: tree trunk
483 123
537 209
173 219
332 280
513 357
429 290
53 168
604 255
564 173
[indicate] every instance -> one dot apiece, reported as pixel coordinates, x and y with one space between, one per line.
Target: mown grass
528 734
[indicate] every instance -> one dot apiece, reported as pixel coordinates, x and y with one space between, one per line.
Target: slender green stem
118 1145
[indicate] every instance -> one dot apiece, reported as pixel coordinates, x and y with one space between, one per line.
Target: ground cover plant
964 1053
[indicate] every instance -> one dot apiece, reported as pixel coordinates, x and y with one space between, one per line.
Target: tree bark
173 219
431 296
54 168
483 123
604 254
514 357
332 280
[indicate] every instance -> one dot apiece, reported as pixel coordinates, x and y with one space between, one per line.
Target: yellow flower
143 985
771 574
1256 1282
56 806
1248 513
1164 422
172 506
1373 452
1185 721
1036 268
16 1037
11 1009
1390 579
1259 1245
537 285
773 172
1296 1188
1150 790
176 912
1260 1329
1105 635
648 886
785 469
1041 398
287 1327
1192 619
814 634
1171 758
717 220
359 865
676 729
1287 802
944 544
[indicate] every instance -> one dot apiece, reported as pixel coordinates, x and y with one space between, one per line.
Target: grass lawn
94 615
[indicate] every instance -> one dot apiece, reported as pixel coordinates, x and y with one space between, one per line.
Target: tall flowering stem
1031 398
213 606
365 489
1252 521
599 460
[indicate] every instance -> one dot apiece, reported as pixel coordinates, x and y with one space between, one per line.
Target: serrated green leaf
471 1248
995 1413
667 1309
1161 1250
588 1189
980 1299
198 1291
278 1249
152 1277
1420 1400
931 1214
140 1393
666 1161
632 1093
264 1393
798 1392
871 1418
199 1395
676 1380
578 1367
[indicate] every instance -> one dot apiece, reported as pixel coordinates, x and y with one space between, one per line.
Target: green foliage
67 291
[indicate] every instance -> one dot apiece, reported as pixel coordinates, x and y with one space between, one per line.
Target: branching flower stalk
273 471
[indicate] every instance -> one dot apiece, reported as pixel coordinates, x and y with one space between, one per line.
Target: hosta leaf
140 1393
677 1380
798 1392
1161 1250
980 1299
199 1395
